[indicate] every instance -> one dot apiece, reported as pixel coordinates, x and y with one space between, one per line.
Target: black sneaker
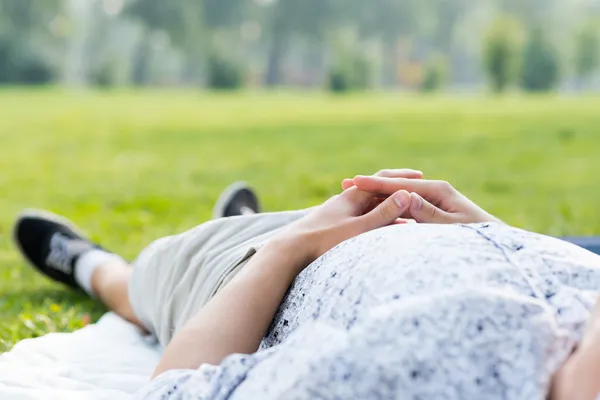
52 244
237 199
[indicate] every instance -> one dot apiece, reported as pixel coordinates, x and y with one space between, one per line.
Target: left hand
343 217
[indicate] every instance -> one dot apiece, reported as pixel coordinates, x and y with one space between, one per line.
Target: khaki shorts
176 276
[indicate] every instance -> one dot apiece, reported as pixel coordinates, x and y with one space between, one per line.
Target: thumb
424 212
387 212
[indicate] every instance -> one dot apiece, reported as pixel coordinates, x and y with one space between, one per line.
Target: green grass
132 167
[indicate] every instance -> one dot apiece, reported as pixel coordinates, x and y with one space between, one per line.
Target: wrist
490 218
293 248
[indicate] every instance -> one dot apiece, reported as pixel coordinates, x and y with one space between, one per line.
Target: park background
130 116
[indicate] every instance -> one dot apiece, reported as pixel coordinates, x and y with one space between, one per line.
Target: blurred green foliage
224 72
587 49
541 64
20 65
23 27
435 74
502 53
351 72
286 42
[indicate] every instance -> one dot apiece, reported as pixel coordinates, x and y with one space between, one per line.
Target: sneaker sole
43 214
226 196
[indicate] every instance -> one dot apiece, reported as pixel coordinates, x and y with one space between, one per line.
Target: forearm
237 318
578 377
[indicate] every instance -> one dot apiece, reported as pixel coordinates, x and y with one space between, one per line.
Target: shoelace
60 257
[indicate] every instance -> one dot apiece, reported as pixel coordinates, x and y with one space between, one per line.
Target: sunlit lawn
131 167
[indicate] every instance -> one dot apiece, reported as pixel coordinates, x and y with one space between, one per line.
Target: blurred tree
387 19
140 72
191 24
24 26
169 16
351 72
27 17
541 70
449 17
447 14
21 65
502 53
288 18
224 72
183 20
392 23
587 51
435 74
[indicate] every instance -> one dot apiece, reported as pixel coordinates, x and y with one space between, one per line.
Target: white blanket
108 360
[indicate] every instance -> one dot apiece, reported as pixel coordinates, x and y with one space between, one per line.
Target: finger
358 200
387 212
388 173
347 184
372 204
377 201
424 212
400 173
434 191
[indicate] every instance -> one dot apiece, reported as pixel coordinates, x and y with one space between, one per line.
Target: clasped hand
371 202
436 202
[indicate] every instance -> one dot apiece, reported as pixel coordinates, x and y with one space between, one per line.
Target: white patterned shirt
480 311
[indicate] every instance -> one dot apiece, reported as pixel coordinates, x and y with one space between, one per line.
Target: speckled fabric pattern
480 311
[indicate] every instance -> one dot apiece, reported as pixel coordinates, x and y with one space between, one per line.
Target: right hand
342 217
435 202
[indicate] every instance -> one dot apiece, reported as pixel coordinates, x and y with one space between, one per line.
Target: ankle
105 276
93 263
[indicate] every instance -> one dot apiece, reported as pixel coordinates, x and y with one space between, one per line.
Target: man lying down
457 306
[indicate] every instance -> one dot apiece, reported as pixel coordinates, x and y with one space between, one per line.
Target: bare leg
110 282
